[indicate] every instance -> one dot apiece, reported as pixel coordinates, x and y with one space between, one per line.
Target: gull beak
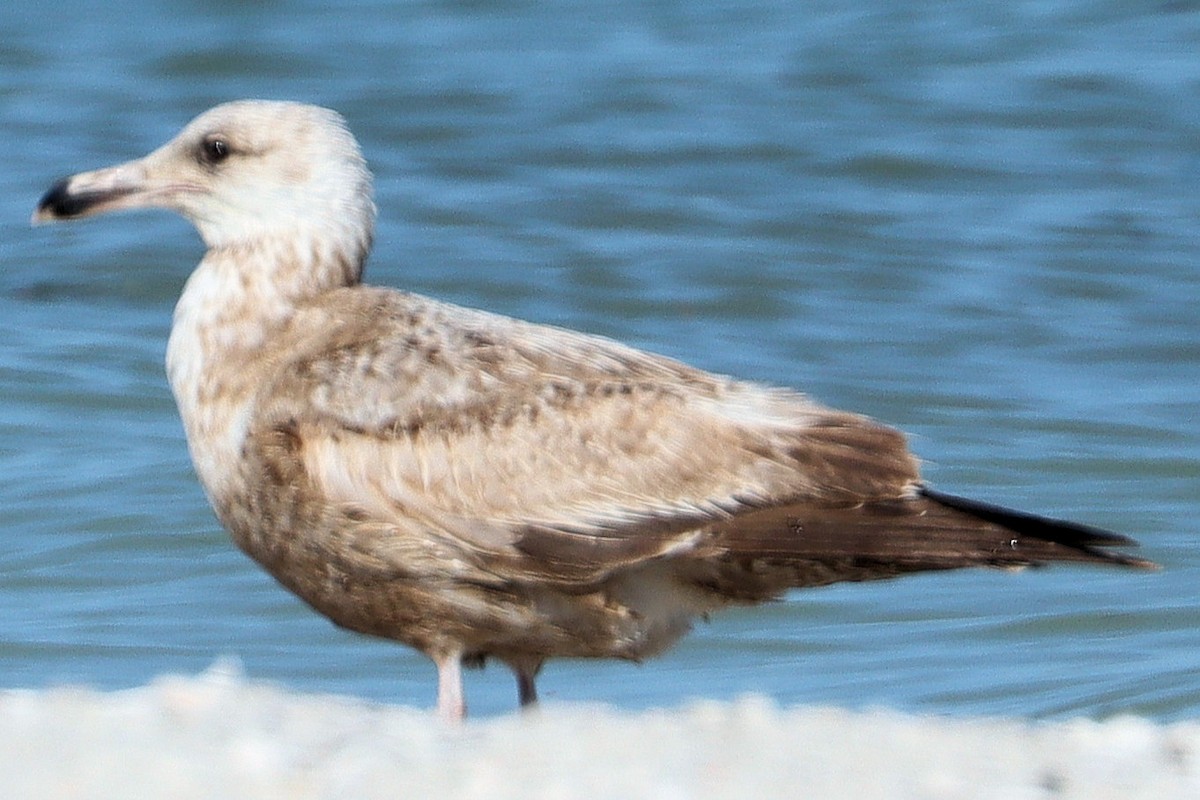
122 186
134 184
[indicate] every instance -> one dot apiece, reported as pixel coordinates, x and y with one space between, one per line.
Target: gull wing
550 454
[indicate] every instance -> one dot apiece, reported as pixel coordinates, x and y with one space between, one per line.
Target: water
974 221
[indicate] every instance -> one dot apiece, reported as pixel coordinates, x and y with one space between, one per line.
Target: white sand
219 736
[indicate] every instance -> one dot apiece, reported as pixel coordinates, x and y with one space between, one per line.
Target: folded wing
556 457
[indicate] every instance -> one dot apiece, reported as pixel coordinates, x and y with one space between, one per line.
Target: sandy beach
219 735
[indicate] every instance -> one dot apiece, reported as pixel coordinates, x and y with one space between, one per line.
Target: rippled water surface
975 221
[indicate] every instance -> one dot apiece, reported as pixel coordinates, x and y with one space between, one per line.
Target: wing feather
563 455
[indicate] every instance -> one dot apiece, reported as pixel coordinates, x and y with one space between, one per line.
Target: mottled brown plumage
475 486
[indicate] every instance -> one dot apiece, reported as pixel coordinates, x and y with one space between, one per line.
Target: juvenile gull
476 486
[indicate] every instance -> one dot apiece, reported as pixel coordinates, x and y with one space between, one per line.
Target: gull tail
933 531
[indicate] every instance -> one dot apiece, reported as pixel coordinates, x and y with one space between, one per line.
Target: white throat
234 305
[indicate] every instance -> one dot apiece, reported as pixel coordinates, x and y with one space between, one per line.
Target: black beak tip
59 203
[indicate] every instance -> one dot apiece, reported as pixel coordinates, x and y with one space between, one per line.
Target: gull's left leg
451 703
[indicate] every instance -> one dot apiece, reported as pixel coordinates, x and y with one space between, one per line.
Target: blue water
978 222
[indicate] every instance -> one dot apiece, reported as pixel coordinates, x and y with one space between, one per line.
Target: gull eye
214 150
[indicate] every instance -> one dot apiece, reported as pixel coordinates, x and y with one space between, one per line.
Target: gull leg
451 704
526 671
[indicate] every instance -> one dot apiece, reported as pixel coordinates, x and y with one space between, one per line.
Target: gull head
242 172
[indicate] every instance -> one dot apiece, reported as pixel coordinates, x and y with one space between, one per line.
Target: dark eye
214 150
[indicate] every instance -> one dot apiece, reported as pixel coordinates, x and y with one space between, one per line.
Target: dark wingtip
1082 538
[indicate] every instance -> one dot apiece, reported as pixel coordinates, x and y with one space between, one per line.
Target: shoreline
219 735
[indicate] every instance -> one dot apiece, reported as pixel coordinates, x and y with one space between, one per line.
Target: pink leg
451 704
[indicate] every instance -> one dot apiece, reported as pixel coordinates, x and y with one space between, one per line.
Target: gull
475 486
